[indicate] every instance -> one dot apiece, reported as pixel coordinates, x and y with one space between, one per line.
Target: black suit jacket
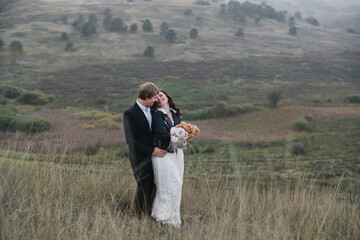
161 125
138 136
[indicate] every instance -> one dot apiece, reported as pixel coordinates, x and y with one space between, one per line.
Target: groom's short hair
148 90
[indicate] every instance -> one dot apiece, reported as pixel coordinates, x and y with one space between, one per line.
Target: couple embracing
158 169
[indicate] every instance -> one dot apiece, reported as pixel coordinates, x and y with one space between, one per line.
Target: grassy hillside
197 71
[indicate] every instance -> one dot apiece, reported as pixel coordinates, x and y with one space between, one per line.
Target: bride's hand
184 144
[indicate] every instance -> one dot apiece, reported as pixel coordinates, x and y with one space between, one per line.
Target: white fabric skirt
168 176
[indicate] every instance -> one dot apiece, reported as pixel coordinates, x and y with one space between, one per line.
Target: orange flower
192 130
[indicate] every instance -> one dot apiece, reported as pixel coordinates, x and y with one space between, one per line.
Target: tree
240 32
79 22
291 21
117 25
88 29
257 20
163 29
149 52
64 36
274 97
93 19
188 12
194 33
171 35
69 47
312 21
297 15
107 22
147 26
293 31
133 28
17 50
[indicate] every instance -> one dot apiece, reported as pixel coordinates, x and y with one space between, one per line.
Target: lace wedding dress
168 175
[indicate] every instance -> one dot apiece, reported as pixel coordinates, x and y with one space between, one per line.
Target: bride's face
162 99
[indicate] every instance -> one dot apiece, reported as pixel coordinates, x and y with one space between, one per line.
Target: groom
137 126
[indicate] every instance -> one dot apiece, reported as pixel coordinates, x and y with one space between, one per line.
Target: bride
169 170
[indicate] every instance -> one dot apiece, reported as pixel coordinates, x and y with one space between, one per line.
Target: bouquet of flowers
181 133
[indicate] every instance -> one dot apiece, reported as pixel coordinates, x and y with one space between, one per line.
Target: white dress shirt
146 111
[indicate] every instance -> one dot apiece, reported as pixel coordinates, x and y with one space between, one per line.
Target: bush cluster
354 98
221 109
102 119
11 92
33 98
304 123
239 11
23 96
297 148
11 121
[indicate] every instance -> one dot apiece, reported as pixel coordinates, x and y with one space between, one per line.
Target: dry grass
60 201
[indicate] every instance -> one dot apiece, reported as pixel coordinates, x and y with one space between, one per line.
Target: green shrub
316 100
11 91
354 98
297 148
92 149
33 98
300 124
10 121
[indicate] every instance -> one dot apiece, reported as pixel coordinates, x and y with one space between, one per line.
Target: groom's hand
159 152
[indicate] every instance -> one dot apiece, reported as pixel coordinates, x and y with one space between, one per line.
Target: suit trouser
146 188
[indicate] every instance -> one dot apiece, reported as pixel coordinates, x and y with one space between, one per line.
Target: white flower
173 131
174 139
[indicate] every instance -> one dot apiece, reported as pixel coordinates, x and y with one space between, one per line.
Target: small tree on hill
88 29
17 50
107 22
163 28
93 19
69 47
117 25
312 21
149 52
291 21
133 28
293 31
64 36
240 32
170 35
257 20
274 97
147 26
79 22
194 33
298 15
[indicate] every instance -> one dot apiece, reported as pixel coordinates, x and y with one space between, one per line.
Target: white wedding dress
168 175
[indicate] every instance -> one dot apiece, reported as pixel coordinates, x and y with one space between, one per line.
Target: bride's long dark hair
170 101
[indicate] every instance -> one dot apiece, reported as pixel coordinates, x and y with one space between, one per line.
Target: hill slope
202 70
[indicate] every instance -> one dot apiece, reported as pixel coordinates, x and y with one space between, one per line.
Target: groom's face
150 101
